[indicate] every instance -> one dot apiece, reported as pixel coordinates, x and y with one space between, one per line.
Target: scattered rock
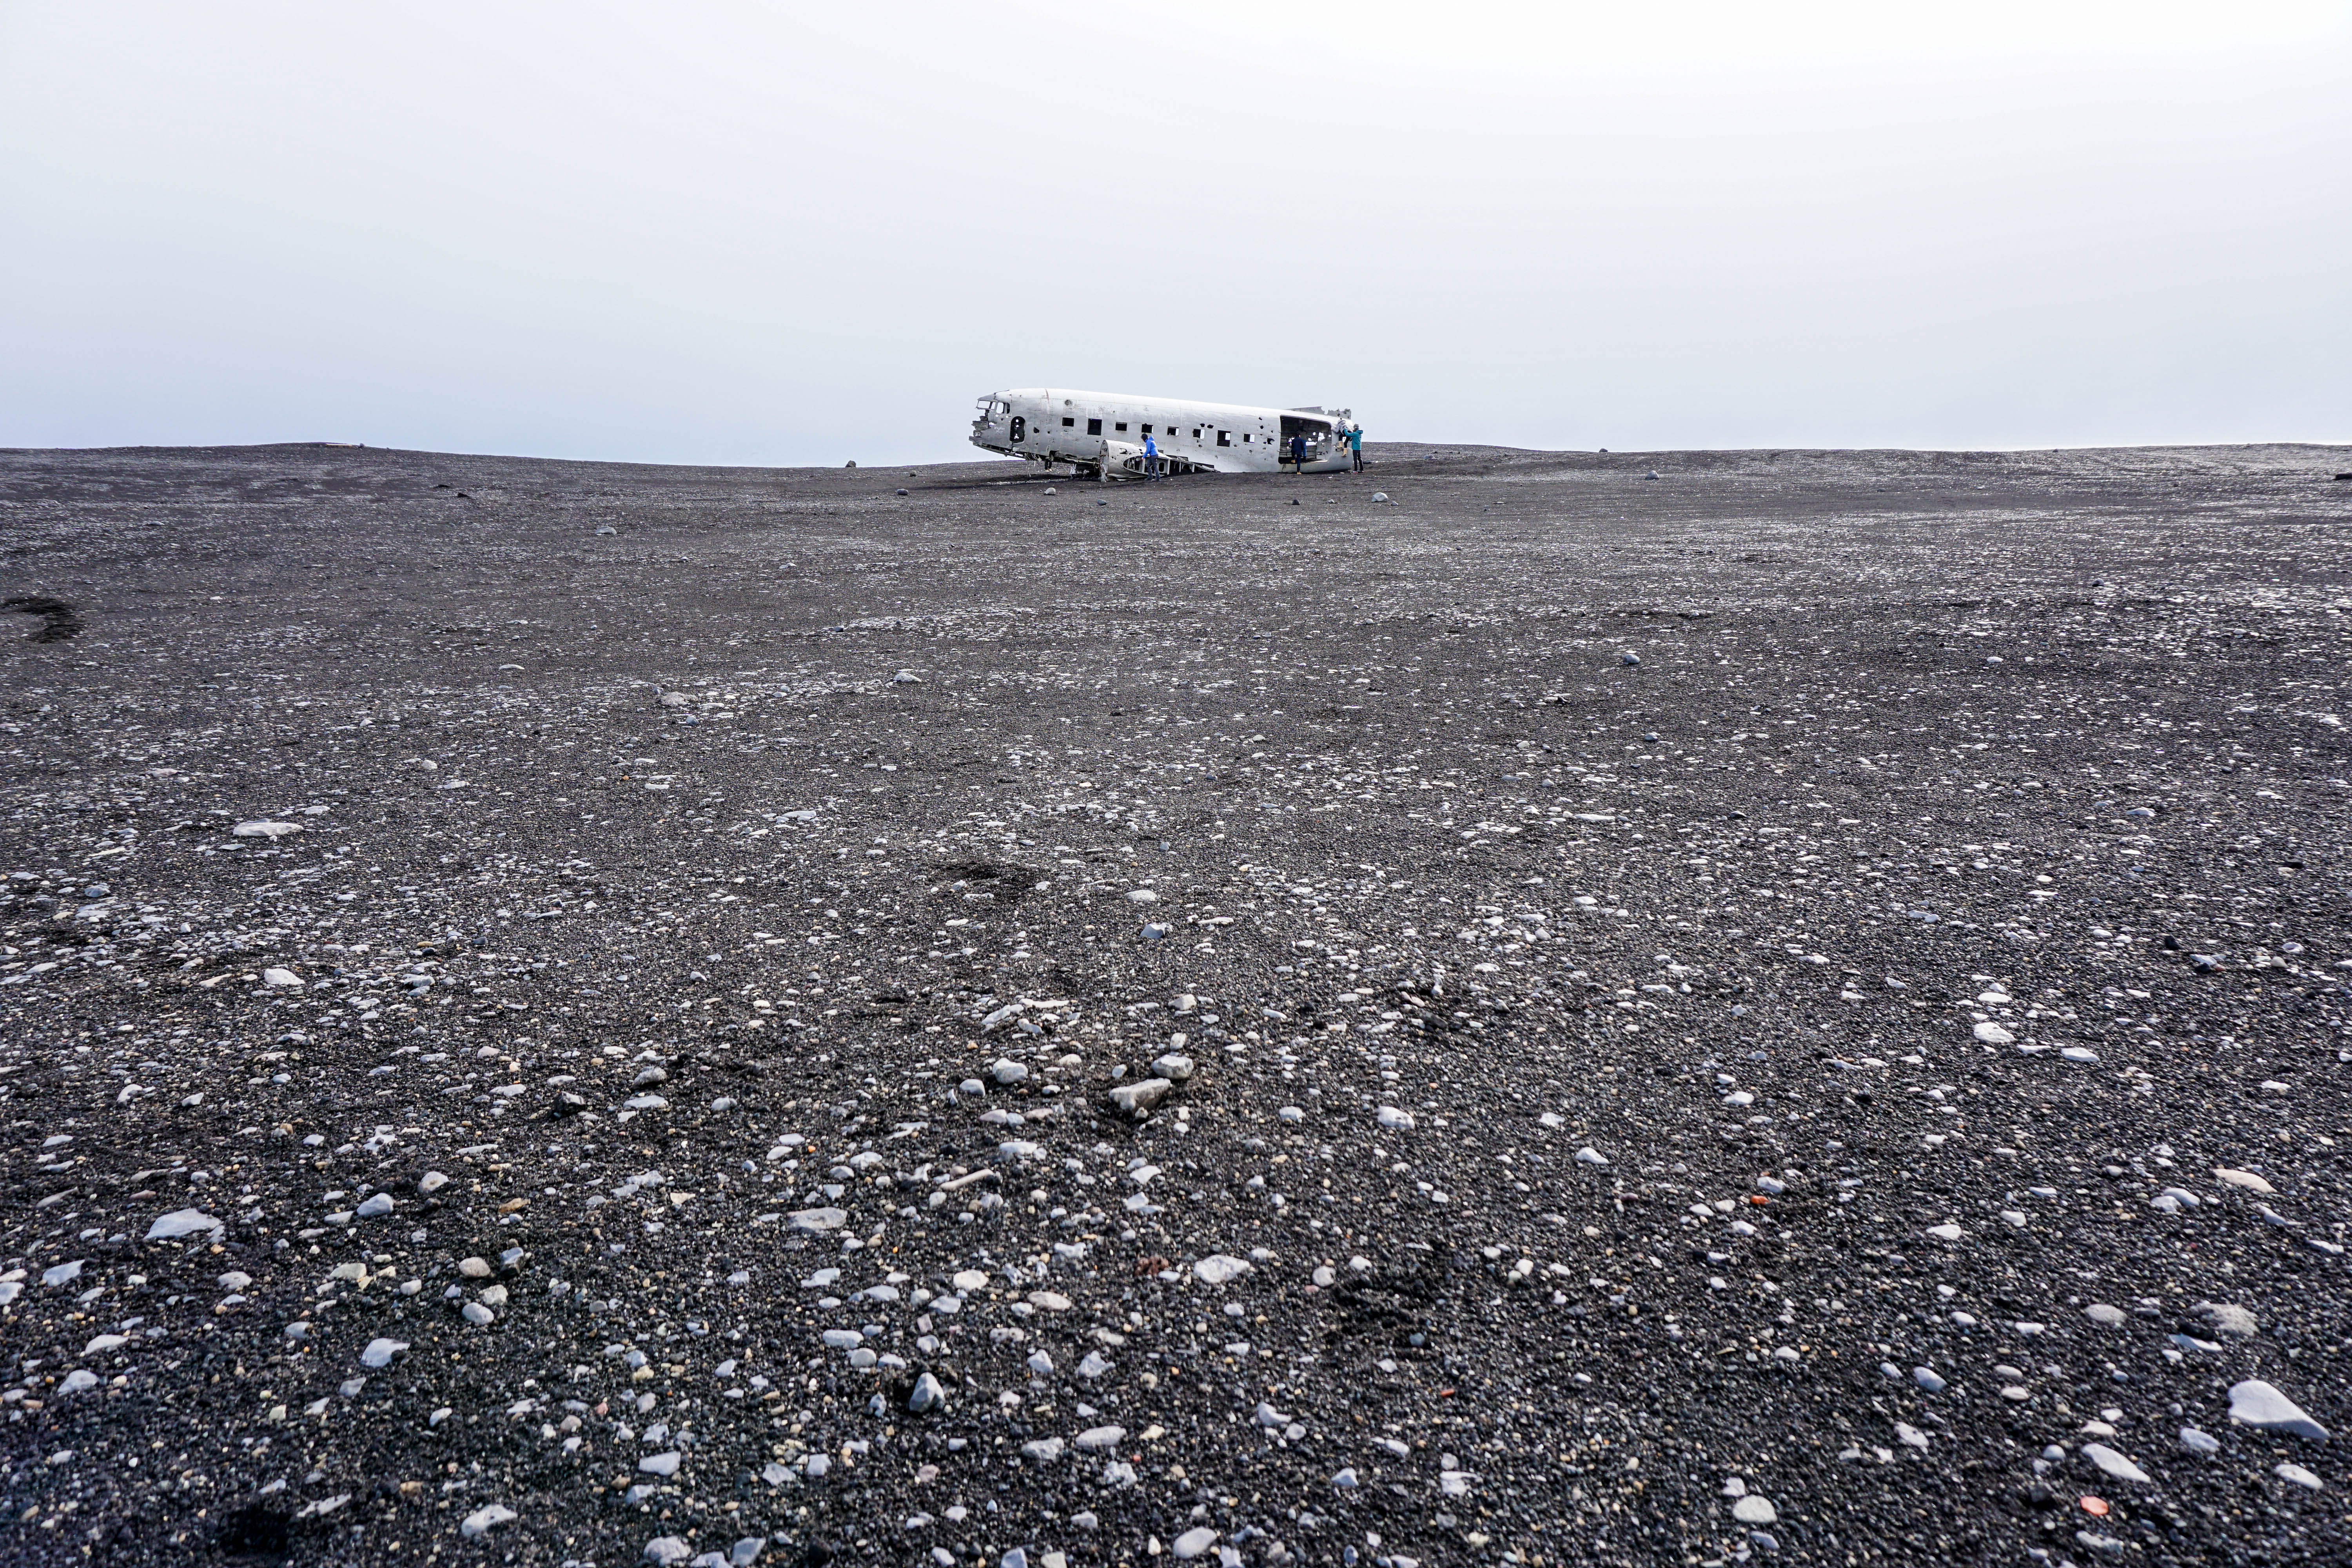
2228 1320
1138 1098
181 1223
2255 1403
2113 1463
1219 1269
1194 1542
482 1521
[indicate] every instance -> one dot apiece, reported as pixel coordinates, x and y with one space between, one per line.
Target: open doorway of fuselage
1319 435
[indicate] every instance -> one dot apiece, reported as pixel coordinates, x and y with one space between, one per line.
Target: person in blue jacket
1151 459
1356 445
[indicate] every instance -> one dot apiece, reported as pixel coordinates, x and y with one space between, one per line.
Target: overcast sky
764 233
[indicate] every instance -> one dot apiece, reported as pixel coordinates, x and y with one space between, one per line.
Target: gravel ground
1777 1007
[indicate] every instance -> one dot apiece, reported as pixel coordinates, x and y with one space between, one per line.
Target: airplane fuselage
1103 433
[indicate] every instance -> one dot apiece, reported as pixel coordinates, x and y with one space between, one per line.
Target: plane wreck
1102 434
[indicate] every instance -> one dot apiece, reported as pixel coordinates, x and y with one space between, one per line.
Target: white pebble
2254 1403
482 1521
2113 1463
1219 1268
171 1228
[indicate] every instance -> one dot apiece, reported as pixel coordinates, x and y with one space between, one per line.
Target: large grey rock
481 1522
1136 1099
182 1223
2254 1403
2230 1319
2113 1463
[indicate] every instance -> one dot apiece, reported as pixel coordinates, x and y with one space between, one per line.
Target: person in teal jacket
1356 445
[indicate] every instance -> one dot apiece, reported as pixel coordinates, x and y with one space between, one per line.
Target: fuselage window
1120 425
1223 438
1147 429
1094 427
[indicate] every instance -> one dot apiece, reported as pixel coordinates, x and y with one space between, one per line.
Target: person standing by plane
1150 458
1356 445
1299 454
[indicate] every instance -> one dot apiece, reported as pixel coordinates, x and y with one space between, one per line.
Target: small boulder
1138 1098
